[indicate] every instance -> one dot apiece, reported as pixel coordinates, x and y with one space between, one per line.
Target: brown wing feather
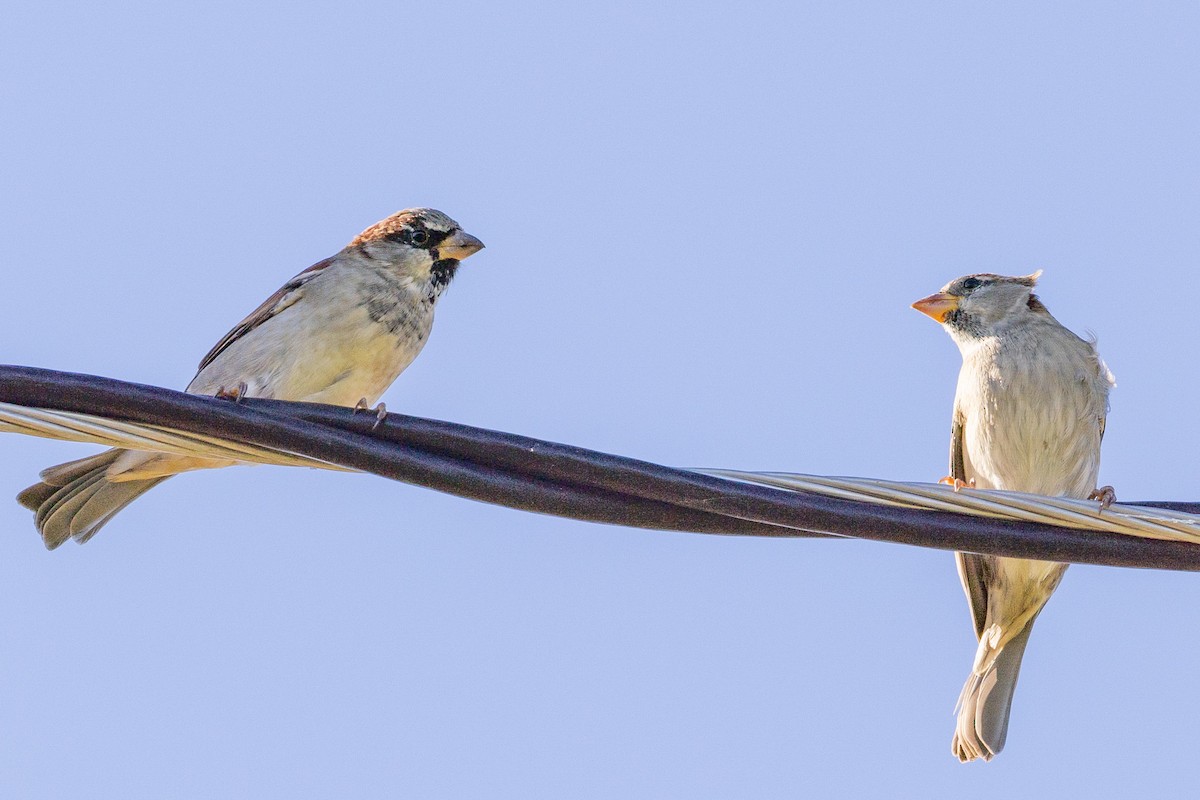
973 568
269 308
973 571
958 461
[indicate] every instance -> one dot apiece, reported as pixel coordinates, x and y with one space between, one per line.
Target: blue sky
705 224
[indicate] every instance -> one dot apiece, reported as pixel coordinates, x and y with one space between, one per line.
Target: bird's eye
418 237
971 284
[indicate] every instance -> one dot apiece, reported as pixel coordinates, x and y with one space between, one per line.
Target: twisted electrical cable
544 477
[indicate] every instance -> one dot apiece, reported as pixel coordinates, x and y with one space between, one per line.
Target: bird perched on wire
339 332
1029 414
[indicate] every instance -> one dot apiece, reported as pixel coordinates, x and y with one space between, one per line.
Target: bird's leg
1105 494
380 415
235 394
958 483
380 411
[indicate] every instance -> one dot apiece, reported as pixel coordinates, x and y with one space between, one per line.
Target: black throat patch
441 273
964 323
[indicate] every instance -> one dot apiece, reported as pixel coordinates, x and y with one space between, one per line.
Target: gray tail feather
986 701
75 500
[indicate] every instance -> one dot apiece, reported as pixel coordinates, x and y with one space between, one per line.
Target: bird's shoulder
1035 343
284 297
1035 365
1058 349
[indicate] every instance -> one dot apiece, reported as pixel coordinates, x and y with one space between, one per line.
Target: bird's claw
235 394
380 411
958 483
1105 494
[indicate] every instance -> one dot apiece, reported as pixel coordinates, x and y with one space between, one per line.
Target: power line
549 478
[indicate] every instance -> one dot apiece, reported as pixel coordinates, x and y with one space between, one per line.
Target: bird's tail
986 700
75 499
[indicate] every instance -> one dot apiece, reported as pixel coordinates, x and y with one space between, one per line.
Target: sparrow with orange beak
339 332
1029 414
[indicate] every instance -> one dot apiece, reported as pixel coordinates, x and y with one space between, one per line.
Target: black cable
534 475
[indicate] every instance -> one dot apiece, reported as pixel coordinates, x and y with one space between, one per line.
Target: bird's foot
1105 494
380 411
958 483
235 394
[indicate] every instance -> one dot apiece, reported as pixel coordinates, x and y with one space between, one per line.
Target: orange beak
938 306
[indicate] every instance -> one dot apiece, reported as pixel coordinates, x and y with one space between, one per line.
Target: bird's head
978 305
421 243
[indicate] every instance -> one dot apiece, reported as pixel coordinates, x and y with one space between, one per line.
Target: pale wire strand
73 427
1152 523
1138 521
